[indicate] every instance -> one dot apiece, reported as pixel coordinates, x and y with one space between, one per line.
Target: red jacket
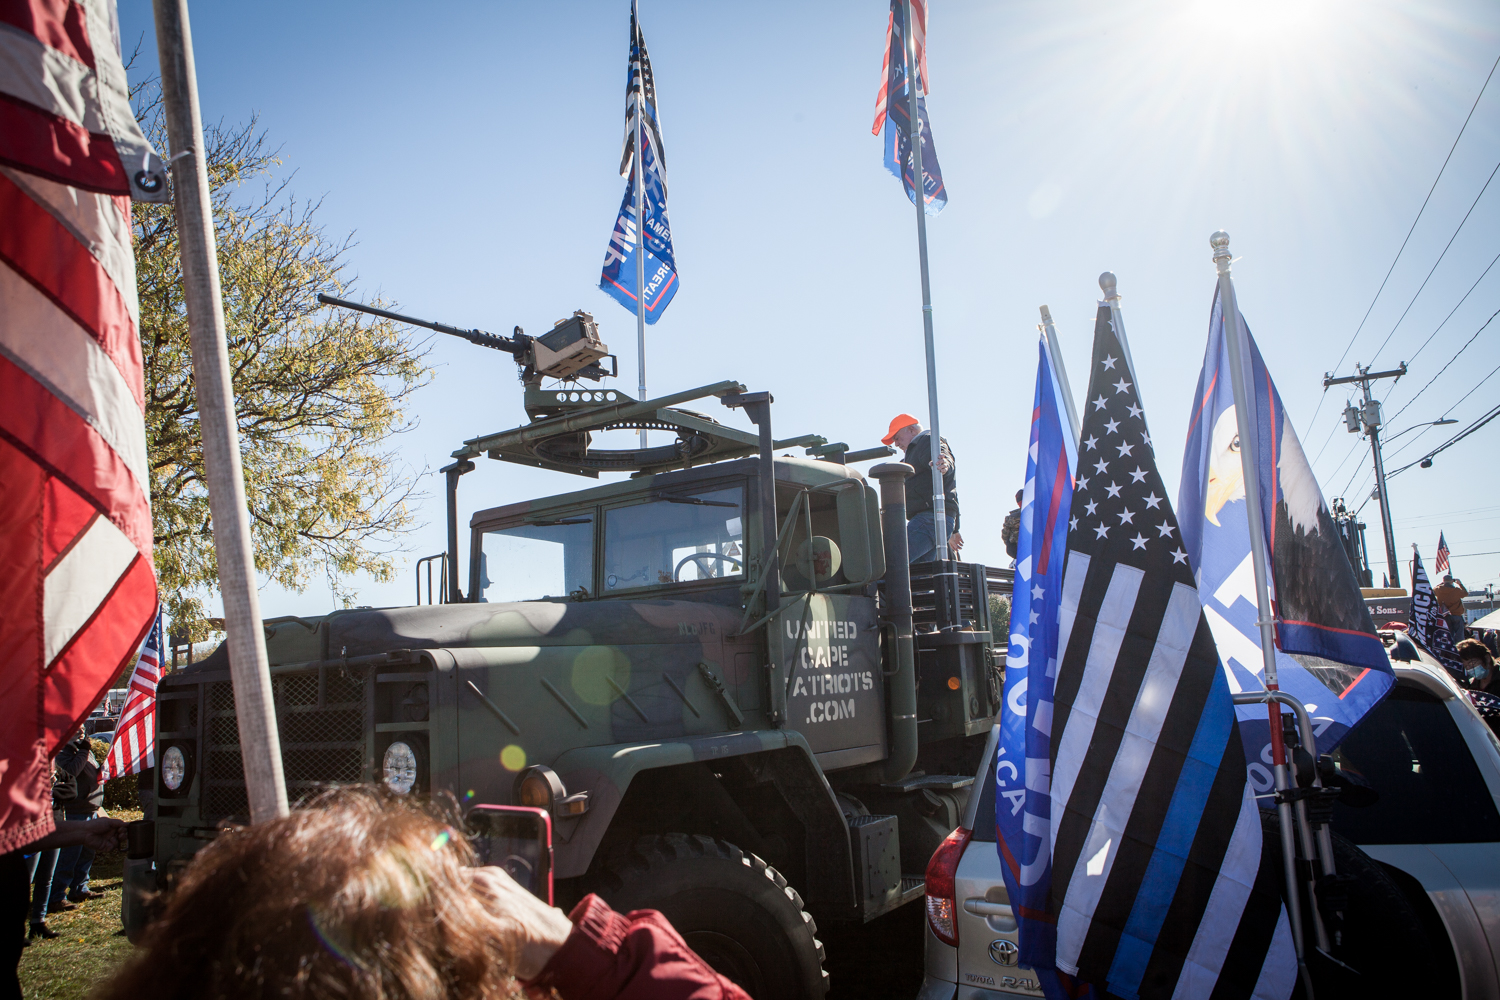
637 956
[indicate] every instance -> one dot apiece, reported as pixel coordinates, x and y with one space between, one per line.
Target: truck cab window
531 562
824 557
677 539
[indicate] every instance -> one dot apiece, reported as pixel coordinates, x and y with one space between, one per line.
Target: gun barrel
490 340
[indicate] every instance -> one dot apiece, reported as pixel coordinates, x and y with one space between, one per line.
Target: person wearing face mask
1479 667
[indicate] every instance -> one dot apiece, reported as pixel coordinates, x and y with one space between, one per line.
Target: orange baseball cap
899 421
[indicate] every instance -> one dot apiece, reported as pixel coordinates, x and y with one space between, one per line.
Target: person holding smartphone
364 895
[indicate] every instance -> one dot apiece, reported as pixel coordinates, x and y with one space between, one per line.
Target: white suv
1435 831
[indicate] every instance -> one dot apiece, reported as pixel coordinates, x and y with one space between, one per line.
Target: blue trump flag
619 275
1328 654
893 109
1022 806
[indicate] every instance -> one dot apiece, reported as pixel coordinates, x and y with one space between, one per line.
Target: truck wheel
732 908
1378 914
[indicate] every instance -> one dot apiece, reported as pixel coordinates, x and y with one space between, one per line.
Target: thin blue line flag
1329 655
618 277
1022 767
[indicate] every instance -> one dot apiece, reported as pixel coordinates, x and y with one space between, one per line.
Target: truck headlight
173 768
399 768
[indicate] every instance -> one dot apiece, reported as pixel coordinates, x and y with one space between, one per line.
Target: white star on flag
1152 500
1100 403
1114 490
1121 386
1140 477
1165 528
1109 361
1111 426
1138 542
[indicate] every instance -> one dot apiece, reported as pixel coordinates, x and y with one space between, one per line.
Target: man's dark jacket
919 487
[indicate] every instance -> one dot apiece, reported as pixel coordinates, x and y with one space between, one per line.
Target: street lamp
1431 423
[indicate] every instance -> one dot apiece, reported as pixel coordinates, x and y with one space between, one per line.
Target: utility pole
1368 417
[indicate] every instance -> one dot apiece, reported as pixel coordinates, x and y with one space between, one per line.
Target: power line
1435 264
1461 301
1450 361
1416 220
1451 441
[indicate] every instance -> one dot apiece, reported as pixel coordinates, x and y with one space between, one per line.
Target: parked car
972 943
1434 835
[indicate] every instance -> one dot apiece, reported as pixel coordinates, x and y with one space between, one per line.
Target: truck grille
321 717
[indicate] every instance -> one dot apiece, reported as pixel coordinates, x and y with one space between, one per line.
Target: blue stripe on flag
1164 871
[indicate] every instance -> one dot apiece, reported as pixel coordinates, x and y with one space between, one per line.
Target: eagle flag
134 746
1328 654
893 109
79 588
1022 807
641 119
1159 884
1427 625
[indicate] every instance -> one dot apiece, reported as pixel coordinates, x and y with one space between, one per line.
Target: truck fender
780 756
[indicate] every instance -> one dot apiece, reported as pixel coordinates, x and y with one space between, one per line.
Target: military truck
719 675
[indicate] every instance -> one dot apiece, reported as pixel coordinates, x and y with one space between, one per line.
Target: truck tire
1379 913
732 908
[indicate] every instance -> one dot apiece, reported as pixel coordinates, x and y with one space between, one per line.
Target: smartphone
518 839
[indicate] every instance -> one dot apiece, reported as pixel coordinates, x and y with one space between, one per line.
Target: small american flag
134 747
1441 563
79 590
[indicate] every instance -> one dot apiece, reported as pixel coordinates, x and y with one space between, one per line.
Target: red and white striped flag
1441 563
78 588
919 15
134 746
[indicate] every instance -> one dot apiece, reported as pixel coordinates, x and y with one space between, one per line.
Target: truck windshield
678 539
534 561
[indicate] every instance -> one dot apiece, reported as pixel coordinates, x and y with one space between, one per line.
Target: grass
69 967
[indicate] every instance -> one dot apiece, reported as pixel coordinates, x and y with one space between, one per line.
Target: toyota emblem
1003 952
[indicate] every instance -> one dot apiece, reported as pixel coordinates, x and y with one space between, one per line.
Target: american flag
1158 884
79 589
134 746
882 99
1441 562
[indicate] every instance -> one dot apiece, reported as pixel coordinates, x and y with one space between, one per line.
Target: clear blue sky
471 148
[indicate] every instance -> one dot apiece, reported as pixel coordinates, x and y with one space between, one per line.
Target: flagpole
1250 468
248 670
1054 354
919 186
640 203
1108 285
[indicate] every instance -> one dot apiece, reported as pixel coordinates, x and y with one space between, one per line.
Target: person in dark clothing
99 834
364 895
71 880
922 542
1010 529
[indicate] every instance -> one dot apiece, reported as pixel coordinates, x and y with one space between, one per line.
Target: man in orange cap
921 541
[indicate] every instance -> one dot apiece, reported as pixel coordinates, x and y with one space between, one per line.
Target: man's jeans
920 544
73 863
1456 625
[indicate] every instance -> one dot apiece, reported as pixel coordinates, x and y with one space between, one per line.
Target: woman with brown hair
362 895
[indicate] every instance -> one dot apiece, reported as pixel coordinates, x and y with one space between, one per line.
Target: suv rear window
1431 792
984 813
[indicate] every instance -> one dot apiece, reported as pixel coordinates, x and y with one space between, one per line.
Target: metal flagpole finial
1220 242
1108 287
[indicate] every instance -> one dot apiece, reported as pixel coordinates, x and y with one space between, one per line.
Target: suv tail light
942 909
